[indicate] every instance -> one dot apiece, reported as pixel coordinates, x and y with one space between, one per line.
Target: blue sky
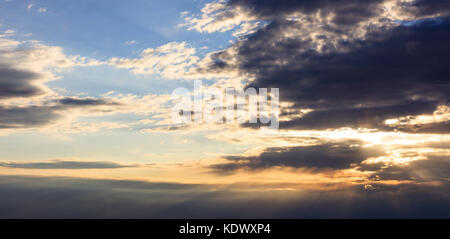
101 28
105 29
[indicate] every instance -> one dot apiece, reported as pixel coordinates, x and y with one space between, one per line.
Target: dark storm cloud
46 197
411 61
352 81
17 83
347 11
329 156
374 81
61 164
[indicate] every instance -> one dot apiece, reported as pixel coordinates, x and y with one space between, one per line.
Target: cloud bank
350 63
62 164
45 197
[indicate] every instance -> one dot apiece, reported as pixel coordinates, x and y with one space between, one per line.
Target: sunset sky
86 128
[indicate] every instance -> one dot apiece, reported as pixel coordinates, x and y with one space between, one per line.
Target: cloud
47 197
386 76
171 60
216 16
25 79
71 101
431 7
61 164
349 63
63 114
39 9
27 103
38 115
328 156
329 16
346 11
25 117
434 168
8 33
246 28
433 123
26 66
129 43
18 83
357 76
364 117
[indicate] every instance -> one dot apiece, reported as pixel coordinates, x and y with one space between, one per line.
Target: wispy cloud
42 10
64 164
39 9
216 16
171 60
129 43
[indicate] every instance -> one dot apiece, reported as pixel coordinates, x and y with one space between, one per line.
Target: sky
87 124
